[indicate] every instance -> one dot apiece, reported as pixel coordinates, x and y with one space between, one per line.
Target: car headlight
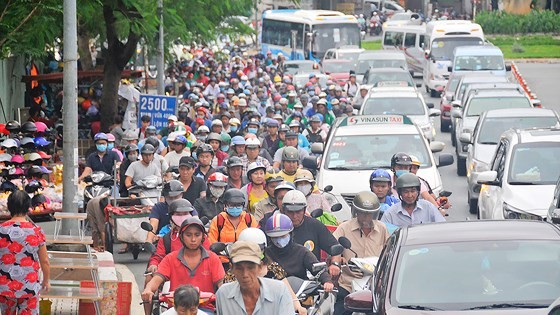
513 213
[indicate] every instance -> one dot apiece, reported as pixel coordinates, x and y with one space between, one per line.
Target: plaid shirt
259 159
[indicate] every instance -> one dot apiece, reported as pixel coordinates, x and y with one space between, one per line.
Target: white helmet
255 235
253 142
294 200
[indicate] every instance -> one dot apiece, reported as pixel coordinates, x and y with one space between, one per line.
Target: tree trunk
110 97
85 54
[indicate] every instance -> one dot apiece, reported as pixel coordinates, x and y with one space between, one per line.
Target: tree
27 27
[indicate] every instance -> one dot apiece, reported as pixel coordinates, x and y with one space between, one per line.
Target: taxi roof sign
376 120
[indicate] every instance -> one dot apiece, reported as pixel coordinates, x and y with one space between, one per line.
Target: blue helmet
237 140
100 136
380 175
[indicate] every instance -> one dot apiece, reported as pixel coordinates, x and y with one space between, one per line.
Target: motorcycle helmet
278 225
32 156
28 127
172 188
400 158
290 154
10 143
193 221
254 235
34 171
17 159
366 201
27 141
153 141
415 160
214 136
100 136
5 157
203 148
44 155
148 149
218 179
130 147
180 207
238 140
253 143
273 176
41 142
39 200
41 127
294 200
33 186
8 186
234 161
380 175
407 180
234 196
254 166
304 176
13 126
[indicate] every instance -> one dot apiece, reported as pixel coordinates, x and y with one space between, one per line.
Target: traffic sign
158 107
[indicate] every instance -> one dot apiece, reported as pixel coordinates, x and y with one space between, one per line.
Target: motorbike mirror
444 193
316 213
146 226
328 188
218 247
345 242
336 207
319 266
149 247
336 250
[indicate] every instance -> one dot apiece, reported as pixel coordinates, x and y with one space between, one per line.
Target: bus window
280 33
422 41
410 40
393 38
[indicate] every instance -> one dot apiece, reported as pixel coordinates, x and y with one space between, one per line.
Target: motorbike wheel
108 237
135 251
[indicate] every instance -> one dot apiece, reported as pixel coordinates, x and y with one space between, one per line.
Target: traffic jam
304 178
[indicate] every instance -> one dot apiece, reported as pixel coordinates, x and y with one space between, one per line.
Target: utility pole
160 51
70 103
257 25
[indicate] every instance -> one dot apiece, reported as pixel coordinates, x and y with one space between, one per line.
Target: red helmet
218 179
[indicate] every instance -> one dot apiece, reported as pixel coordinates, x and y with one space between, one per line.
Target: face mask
234 211
202 138
400 172
178 219
282 241
305 189
110 146
101 147
217 191
233 128
133 157
225 148
252 130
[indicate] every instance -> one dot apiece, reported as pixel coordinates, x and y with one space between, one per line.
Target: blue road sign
158 108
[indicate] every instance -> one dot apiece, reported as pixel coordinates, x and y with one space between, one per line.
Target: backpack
167 243
314 137
222 220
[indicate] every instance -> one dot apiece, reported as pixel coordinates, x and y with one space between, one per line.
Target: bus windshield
442 48
328 36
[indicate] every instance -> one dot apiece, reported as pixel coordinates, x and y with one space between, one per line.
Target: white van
442 37
479 59
410 39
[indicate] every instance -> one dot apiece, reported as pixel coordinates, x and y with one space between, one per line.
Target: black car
500 267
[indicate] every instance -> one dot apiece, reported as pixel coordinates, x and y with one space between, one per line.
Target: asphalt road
543 79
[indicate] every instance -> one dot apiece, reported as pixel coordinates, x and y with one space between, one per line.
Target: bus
315 32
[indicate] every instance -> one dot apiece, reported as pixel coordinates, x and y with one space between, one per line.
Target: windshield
348 55
492 128
393 105
373 151
300 81
442 48
375 78
338 67
481 104
303 67
327 36
477 274
364 65
452 84
478 63
535 163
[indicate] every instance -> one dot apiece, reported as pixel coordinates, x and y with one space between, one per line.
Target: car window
393 38
422 41
393 105
534 163
404 77
383 268
477 274
477 105
498 157
367 152
492 128
502 162
410 40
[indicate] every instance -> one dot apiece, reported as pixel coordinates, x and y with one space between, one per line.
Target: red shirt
209 271
175 245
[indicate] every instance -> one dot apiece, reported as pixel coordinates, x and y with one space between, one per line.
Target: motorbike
148 189
374 28
365 266
99 183
443 199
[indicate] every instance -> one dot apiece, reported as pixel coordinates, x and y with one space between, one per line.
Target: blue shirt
105 164
425 212
160 212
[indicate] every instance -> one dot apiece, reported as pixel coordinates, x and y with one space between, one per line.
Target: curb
124 274
536 60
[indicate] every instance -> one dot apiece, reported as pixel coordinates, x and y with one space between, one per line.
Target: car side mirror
435 112
310 162
456 114
445 159
418 85
508 68
436 146
465 137
430 105
317 148
456 104
449 69
359 302
488 178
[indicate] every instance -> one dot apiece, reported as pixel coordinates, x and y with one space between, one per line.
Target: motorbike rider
227 225
179 144
254 191
159 216
194 187
252 150
411 210
380 185
192 264
279 192
102 160
295 259
367 235
305 182
213 202
314 132
414 170
141 169
204 155
400 164
266 205
290 142
308 231
234 170
131 155
215 141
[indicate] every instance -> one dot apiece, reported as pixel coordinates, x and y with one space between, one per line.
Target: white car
359 144
486 134
402 101
522 175
345 52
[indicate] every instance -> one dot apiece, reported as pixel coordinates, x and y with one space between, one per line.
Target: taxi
359 144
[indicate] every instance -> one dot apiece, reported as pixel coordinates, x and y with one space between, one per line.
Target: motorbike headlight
513 213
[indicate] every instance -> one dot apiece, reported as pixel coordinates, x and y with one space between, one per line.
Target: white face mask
305 188
281 241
